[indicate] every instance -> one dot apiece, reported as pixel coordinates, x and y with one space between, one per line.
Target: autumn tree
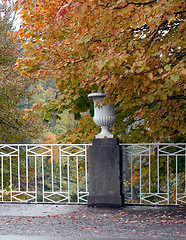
16 125
133 50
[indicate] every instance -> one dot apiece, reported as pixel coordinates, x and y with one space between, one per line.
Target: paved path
58 222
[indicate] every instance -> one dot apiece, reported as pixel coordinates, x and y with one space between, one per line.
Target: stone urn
104 115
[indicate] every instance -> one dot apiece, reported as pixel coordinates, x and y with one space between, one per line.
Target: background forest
19 123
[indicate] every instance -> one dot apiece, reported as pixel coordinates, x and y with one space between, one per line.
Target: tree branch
179 12
9 74
135 3
122 7
155 33
176 97
76 61
99 39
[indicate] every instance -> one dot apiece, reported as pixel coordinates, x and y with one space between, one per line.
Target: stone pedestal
105 173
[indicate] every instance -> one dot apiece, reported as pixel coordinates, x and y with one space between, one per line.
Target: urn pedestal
105 164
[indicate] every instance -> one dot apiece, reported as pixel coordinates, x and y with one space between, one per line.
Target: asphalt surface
79 222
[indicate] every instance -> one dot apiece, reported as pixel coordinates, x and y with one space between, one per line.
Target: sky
17 19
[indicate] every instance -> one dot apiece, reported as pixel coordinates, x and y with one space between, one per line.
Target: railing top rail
86 144
44 144
154 144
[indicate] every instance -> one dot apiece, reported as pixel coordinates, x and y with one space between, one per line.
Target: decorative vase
104 115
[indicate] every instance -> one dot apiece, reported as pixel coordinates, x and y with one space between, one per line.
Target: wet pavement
58 222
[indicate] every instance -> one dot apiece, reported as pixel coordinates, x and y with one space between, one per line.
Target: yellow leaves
144 88
167 67
49 138
153 86
28 114
146 82
70 92
150 75
74 140
28 110
78 130
25 117
151 98
40 4
139 65
38 40
99 46
160 70
175 77
26 53
21 31
171 18
163 96
37 27
183 71
166 74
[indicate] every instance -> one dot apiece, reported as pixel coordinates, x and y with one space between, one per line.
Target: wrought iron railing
153 173
43 173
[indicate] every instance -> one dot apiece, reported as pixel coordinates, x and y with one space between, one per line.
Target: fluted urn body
104 115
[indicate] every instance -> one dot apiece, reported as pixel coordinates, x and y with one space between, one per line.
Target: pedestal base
105 173
105 201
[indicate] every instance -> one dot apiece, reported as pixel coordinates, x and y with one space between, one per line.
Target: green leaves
167 67
175 77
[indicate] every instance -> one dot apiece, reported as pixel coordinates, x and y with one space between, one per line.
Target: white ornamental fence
152 173
43 173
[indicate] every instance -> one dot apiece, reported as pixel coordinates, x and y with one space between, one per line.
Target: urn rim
101 95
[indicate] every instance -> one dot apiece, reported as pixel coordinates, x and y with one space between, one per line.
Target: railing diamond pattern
51 196
7 150
73 150
162 198
39 150
23 196
172 150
